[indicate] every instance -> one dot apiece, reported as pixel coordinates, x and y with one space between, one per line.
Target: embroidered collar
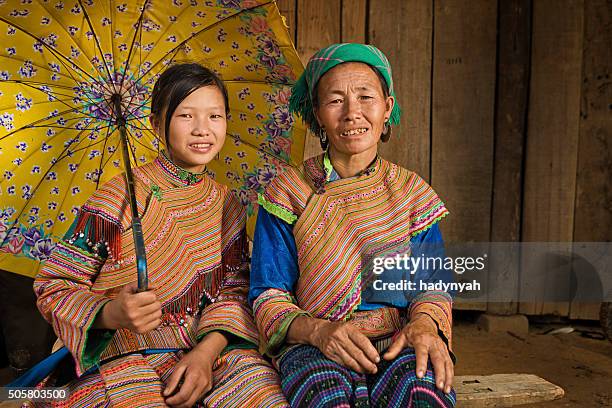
177 174
332 175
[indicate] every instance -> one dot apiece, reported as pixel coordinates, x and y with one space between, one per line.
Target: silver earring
386 134
323 138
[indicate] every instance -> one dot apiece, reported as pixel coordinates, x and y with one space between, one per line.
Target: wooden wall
507 113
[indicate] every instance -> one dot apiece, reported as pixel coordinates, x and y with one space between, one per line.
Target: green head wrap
324 60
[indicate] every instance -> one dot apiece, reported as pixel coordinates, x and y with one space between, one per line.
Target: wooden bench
503 390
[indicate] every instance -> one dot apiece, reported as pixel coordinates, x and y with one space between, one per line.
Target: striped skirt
241 378
309 379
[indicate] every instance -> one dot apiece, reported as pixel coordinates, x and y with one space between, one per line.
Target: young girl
189 339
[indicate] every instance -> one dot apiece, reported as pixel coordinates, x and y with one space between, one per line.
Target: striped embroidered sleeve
438 306
274 311
65 299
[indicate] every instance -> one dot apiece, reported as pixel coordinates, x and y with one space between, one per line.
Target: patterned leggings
309 379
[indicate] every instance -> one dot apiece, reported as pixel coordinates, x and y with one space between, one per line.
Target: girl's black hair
175 84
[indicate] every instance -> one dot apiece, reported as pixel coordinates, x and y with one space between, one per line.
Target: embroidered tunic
322 230
195 239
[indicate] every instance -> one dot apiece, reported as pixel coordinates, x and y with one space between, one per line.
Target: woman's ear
389 103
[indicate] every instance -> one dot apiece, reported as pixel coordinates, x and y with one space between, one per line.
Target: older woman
336 335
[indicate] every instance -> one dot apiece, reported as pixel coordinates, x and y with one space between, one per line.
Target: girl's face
197 129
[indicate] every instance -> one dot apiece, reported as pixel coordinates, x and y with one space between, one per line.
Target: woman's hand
139 312
192 377
421 333
339 341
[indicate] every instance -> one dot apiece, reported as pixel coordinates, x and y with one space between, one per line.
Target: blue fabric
274 258
274 261
37 373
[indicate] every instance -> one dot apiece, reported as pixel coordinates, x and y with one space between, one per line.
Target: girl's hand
139 312
192 377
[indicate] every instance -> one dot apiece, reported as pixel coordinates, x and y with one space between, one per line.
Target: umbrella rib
29 83
161 36
71 182
110 76
135 139
41 67
108 132
129 146
149 129
144 103
33 85
193 35
110 157
36 83
62 101
54 51
137 29
89 146
36 151
77 45
35 123
18 216
141 128
127 104
251 81
143 123
258 148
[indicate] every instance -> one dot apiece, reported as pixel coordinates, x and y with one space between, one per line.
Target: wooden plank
510 128
318 25
593 212
462 118
403 30
288 10
503 390
354 20
552 139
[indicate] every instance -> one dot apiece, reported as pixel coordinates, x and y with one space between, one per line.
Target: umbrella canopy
73 72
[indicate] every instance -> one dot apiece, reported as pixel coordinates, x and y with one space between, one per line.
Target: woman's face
352 108
197 129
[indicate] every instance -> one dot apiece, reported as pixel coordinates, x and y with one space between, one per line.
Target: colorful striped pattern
275 310
65 299
337 223
241 378
438 306
309 379
196 250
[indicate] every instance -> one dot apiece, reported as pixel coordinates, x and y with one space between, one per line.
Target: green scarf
324 60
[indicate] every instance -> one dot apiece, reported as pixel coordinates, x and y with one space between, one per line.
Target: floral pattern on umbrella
61 62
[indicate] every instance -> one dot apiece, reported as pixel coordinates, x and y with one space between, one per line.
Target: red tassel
101 232
188 304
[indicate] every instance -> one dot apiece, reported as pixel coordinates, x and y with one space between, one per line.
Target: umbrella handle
141 257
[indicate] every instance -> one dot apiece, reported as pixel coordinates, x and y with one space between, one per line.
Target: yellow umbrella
75 73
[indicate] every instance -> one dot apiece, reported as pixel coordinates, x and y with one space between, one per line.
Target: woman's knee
309 378
398 385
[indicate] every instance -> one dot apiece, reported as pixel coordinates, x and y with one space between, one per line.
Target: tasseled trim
175 311
100 232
